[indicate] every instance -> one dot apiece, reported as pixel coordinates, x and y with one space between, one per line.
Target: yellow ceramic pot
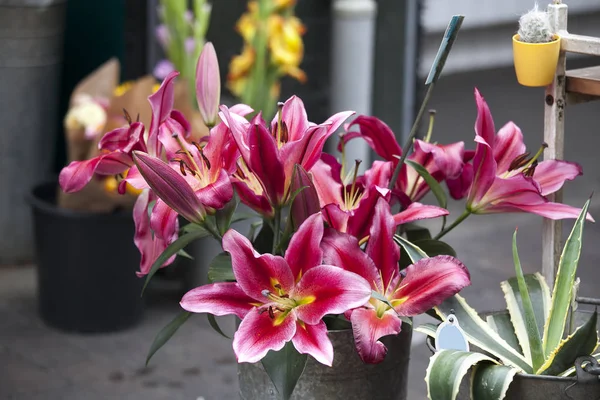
535 63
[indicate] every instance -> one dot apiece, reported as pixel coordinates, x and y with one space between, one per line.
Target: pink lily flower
441 161
268 154
152 245
420 287
281 298
505 180
349 206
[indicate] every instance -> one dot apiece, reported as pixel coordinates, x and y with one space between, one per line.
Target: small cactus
534 27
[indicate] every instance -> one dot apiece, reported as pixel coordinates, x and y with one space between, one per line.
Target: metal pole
353 44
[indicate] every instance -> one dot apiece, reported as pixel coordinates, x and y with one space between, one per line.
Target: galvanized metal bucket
348 378
31 42
585 385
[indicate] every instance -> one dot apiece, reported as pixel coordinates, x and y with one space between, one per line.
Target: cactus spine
534 27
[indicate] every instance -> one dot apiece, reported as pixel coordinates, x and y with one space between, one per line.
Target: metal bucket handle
587 371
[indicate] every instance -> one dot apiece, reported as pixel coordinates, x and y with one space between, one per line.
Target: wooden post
554 124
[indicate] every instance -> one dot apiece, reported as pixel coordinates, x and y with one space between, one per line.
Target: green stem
460 219
212 229
413 132
276 229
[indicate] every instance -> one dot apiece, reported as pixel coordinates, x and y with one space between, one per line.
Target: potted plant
535 49
528 353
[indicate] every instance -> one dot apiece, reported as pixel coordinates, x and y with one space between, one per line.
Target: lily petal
377 135
251 199
161 103
508 145
77 174
550 210
417 211
303 252
222 298
265 163
552 174
163 220
306 203
255 272
326 174
258 333
460 186
326 289
342 250
381 247
170 186
313 340
368 328
428 282
218 193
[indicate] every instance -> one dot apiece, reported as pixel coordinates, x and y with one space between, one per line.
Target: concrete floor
38 362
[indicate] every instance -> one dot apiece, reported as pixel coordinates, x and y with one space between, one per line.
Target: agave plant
530 339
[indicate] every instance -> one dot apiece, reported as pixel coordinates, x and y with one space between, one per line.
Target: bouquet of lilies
330 245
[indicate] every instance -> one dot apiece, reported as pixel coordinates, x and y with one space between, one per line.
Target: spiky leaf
502 324
582 342
480 334
446 370
491 381
563 285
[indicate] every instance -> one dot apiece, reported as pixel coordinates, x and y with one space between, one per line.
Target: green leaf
491 381
433 184
582 342
428 328
563 285
220 269
502 324
480 334
264 240
414 252
446 370
185 254
166 333
224 216
171 250
540 298
415 232
285 367
531 328
434 247
215 325
192 227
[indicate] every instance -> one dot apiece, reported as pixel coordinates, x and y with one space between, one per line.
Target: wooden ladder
569 87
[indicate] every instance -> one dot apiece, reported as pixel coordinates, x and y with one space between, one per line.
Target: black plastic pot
86 266
347 378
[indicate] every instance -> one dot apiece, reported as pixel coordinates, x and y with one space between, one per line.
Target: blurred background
375 63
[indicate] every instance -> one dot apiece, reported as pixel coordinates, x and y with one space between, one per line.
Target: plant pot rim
515 39
51 208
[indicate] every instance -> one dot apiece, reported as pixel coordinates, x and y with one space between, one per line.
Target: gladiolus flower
281 298
424 284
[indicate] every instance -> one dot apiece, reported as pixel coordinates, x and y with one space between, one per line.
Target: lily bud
306 202
208 85
171 187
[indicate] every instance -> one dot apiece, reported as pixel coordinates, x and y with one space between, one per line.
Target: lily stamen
430 128
353 192
279 117
127 116
185 150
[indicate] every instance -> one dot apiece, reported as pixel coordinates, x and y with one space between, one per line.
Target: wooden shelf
584 81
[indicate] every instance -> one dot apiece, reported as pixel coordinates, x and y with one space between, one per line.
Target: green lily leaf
414 252
446 370
220 270
582 342
491 381
415 232
215 325
166 333
563 285
433 184
539 294
284 367
172 249
431 247
185 254
224 216
533 334
192 227
503 325
480 334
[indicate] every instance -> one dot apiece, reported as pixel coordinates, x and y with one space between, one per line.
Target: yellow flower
237 86
241 64
284 4
285 41
122 88
111 184
246 27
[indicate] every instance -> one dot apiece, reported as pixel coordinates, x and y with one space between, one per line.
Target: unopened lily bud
306 202
208 85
